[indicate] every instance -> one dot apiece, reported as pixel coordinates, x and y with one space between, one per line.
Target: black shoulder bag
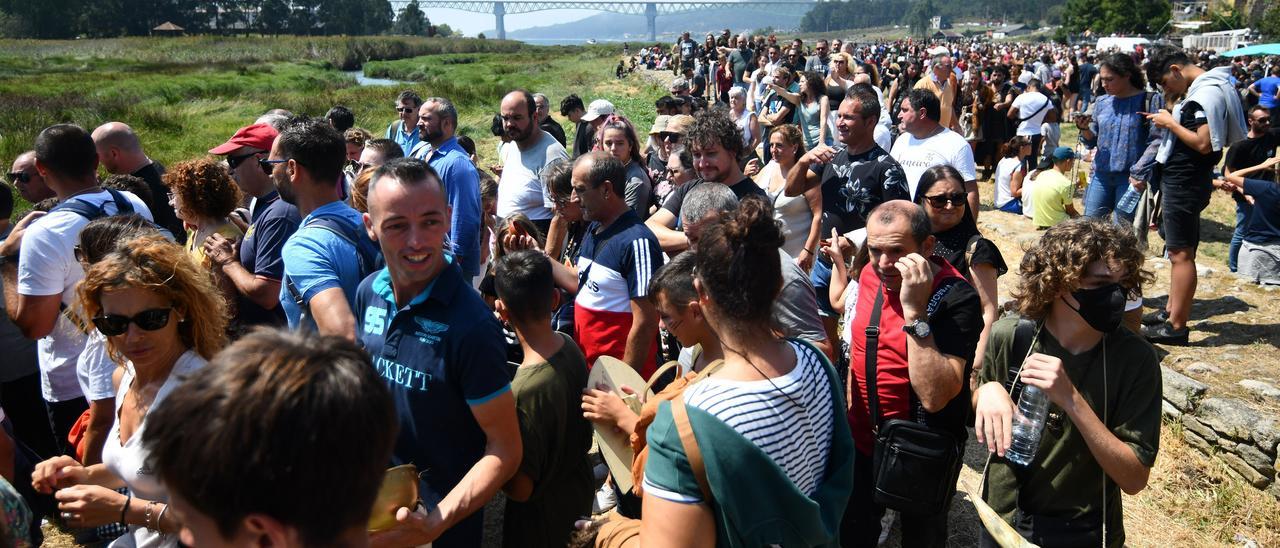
916 465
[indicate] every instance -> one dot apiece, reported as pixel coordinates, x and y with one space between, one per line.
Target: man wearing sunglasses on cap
254 264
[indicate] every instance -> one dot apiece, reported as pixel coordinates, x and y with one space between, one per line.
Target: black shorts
1180 224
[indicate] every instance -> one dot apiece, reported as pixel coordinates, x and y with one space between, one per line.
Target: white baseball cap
598 108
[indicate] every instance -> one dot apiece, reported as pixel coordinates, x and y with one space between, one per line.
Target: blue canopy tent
1259 49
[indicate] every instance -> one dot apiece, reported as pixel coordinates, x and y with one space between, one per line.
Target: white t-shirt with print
48 266
520 188
944 147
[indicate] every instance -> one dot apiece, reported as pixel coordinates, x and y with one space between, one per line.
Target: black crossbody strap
872 348
1023 337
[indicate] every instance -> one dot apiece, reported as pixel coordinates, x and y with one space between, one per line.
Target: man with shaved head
120 153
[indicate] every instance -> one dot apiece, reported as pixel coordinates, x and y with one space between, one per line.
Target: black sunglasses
19 177
943 200
112 325
234 162
671 136
404 109
269 165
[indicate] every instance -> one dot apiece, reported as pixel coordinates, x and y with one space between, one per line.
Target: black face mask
1101 307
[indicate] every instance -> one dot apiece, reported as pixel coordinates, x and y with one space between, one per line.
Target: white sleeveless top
128 461
1004 180
792 212
744 126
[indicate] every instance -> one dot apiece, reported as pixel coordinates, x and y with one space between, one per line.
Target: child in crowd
554 484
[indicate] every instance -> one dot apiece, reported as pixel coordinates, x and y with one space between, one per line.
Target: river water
361 79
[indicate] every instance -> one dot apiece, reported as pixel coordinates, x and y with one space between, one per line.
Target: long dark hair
939 173
1122 64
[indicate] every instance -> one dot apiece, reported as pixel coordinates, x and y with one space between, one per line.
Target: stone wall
1228 429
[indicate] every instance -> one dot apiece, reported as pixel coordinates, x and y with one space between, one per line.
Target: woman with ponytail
764 433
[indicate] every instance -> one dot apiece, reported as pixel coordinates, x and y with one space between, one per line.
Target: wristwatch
918 329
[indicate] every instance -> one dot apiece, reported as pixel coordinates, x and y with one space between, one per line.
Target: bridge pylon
651 20
500 10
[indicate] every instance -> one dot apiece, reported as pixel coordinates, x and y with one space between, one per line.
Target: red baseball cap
259 136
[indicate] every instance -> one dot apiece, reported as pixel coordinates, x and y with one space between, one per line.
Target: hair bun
752 226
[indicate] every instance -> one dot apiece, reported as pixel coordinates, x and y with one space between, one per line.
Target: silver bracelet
160 517
146 518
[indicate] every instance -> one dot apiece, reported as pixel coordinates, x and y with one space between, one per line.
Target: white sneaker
605 499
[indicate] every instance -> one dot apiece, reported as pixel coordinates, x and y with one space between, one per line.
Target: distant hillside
614 26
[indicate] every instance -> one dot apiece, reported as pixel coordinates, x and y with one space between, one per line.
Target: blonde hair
155 264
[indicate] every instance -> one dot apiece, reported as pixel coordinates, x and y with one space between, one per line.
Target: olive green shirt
556 440
1120 380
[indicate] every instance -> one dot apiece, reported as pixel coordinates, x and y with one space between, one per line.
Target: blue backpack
367 252
91 212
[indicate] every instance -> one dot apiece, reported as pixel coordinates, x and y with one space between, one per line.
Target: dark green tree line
102 18
852 14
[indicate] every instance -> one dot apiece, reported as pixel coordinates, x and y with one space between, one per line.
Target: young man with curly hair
1102 380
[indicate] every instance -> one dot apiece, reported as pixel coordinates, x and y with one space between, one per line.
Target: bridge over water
651 10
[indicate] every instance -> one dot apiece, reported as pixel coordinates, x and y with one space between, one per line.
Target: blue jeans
1243 211
1104 192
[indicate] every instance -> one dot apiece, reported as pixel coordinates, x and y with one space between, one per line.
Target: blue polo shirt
462 185
406 140
316 259
440 354
274 221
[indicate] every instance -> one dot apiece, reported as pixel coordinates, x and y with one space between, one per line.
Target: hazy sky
472 23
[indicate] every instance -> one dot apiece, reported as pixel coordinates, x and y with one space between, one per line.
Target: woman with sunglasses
162 320
942 194
203 195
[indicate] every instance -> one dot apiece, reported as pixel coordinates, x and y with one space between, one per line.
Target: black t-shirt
953 245
741 189
697 85
553 127
1253 151
853 185
1186 167
583 139
161 211
956 325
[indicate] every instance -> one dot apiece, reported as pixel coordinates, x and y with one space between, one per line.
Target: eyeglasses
19 177
234 162
269 166
112 325
1266 120
404 110
943 200
671 136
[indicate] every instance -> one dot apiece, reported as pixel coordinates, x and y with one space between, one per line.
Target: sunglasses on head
943 200
19 177
234 162
112 325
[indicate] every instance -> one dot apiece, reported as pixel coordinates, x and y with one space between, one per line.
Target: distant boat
591 40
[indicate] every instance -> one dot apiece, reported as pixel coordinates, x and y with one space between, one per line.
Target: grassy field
185 95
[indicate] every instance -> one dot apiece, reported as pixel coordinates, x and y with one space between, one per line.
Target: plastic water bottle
1028 424
1128 201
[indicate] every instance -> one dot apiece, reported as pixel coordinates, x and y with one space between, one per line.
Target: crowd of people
232 351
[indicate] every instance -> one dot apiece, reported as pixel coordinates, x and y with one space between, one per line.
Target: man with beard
715 144
437 122
529 150
320 278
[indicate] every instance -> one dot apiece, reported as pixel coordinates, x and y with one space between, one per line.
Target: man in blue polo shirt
437 122
329 254
404 131
442 356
